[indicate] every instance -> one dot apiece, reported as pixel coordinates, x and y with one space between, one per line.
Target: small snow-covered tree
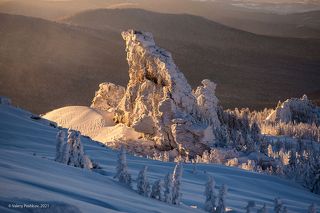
216 156
277 205
239 141
205 157
255 132
176 184
221 208
251 204
250 144
178 158
292 158
143 185
312 208
263 209
156 191
264 146
211 196
285 210
168 188
60 145
270 151
122 173
165 157
71 152
312 173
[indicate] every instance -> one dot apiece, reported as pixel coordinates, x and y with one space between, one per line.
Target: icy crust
108 96
299 110
160 103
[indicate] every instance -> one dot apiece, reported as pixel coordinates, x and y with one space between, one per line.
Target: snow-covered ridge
296 110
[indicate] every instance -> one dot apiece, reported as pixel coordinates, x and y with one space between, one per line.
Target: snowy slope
29 174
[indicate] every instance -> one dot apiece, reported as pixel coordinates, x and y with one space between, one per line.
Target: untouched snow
87 120
94 123
29 175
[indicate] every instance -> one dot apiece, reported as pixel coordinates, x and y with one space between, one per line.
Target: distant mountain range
68 61
275 18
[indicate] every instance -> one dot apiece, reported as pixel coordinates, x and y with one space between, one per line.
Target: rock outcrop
159 102
108 96
299 110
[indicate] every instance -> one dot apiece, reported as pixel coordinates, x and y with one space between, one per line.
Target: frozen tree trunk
156 190
176 184
211 196
143 185
122 173
168 189
221 208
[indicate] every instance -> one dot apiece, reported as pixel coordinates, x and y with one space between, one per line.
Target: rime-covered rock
300 110
159 102
108 96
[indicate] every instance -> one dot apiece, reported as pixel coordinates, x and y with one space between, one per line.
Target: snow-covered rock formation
108 96
300 110
159 102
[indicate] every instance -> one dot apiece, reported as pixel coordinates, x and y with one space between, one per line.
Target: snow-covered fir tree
292 158
122 173
250 145
312 208
176 184
168 188
263 209
211 196
76 149
255 132
60 145
277 205
251 204
206 157
143 185
71 152
221 208
312 173
156 190
239 141
264 146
